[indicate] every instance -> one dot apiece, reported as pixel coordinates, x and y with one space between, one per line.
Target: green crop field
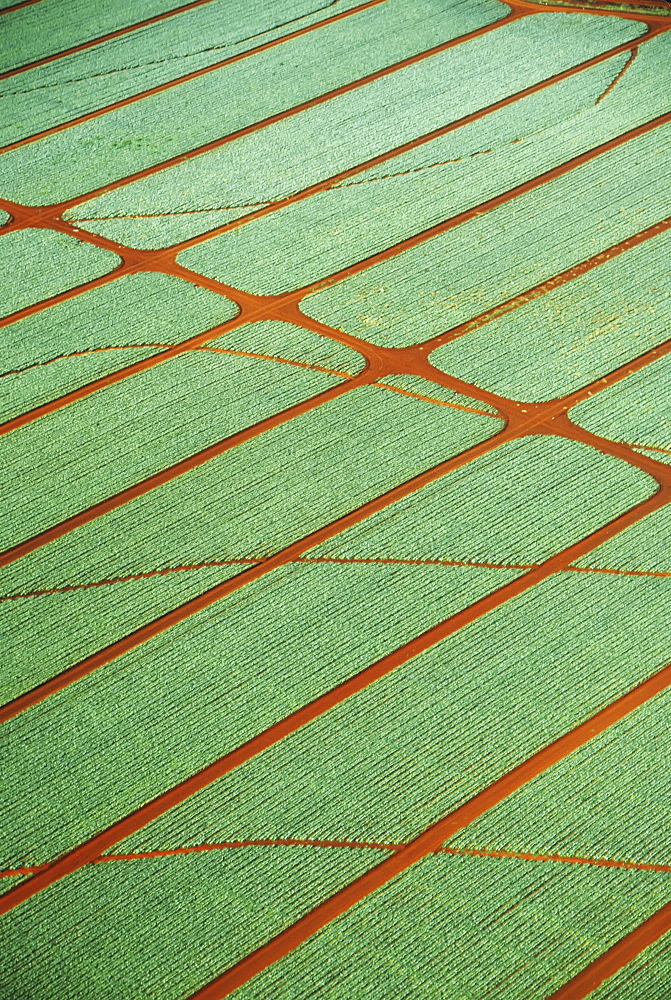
335 480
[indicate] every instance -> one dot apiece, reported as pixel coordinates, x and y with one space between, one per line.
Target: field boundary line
519 423
267 306
475 852
388 155
617 957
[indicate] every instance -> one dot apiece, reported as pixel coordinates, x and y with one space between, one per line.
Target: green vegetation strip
79 455
306 241
74 85
45 634
137 726
53 25
294 343
646 978
644 547
149 928
516 505
451 278
574 334
249 502
397 757
609 799
208 684
636 410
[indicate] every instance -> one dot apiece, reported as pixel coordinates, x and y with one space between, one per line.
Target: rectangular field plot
38 31
142 907
38 263
277 487
77 456
48 95
636 410
46 630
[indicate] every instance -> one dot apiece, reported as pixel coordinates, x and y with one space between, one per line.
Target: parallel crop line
408 854
269 305
517 426
338 560
279 116
179 468
252 355
399 150
486 206
18 6
617 957
366 164
69 524
549 285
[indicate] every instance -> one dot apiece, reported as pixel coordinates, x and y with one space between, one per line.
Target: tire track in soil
433 837
249 561
474 852
410 852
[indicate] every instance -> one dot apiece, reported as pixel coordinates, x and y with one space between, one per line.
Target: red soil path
433 838
621 954
520 421
280 116
18 6
256 306
97 845
338 560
